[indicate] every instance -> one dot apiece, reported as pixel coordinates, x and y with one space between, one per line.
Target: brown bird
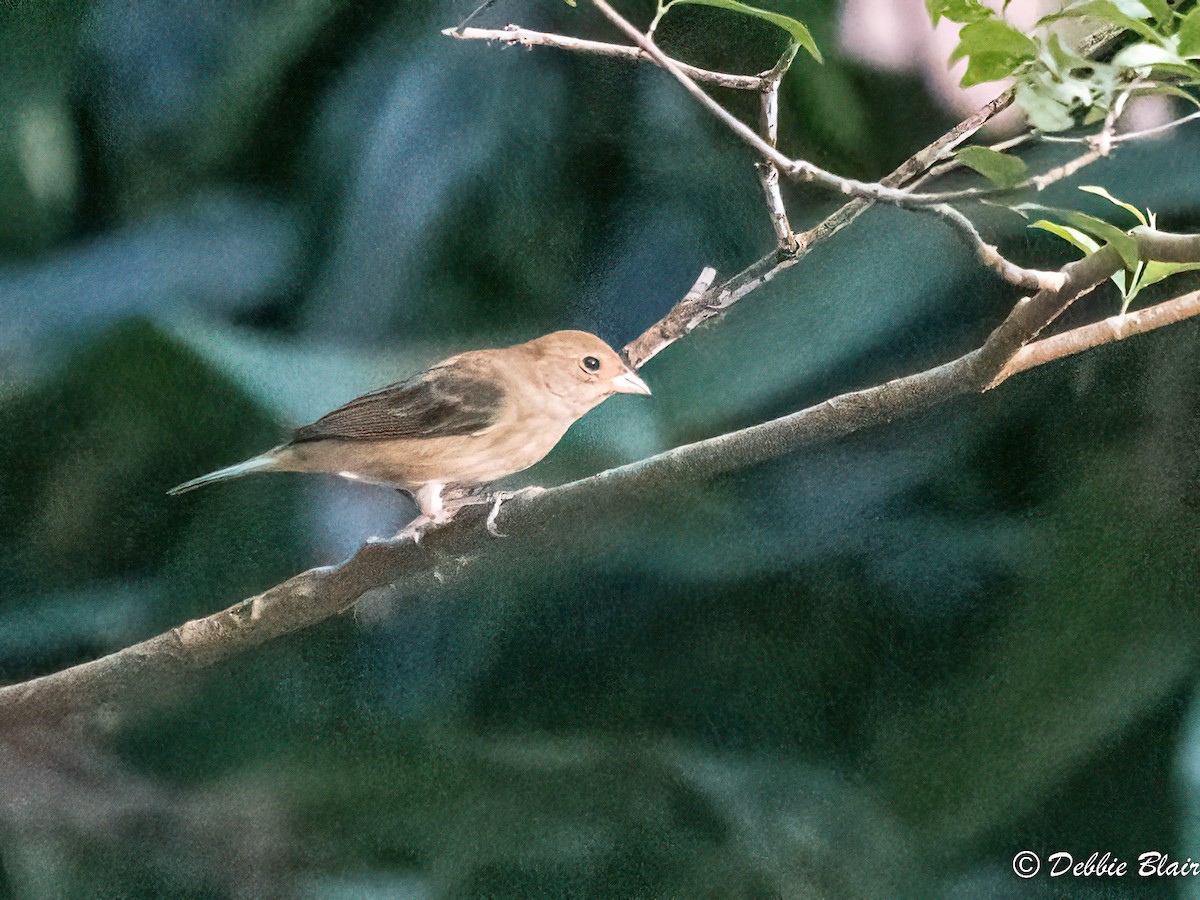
471 419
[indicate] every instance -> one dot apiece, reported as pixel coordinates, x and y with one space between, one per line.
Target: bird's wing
454 398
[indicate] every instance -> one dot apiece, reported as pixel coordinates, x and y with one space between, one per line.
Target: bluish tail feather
257 464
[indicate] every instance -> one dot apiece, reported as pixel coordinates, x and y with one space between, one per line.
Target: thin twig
526 38
640 351
999 146
485 5
799 169
1157 129
731 121
658 14
688 76
805 171
693 310
1066 170
768 172
989 254
1102 140
1036 183
1084 140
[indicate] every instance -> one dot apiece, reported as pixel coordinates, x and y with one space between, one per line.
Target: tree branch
800 169
1088 337
776 161
514 34
736 125
660 335
768 172
694 309
443 554
320 593
989 254
805 171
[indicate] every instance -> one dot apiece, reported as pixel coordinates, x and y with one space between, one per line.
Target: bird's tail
263 463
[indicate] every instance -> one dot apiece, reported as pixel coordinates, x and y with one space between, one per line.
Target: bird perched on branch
471 419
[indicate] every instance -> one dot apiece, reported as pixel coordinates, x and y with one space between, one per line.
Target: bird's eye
591 364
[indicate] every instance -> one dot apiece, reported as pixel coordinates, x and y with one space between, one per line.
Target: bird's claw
498 500
416 528
424 522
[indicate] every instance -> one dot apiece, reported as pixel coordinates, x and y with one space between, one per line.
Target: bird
469 420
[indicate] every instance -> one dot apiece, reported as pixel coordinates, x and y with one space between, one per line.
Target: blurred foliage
1058 84
877 668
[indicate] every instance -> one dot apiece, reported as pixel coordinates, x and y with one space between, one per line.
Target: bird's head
581 367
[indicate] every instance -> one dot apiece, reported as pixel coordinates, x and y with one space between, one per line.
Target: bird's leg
498 500
431 511
429 502
436 508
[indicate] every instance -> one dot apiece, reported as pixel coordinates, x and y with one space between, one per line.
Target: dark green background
874 669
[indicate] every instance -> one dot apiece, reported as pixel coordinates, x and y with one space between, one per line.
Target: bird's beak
628 383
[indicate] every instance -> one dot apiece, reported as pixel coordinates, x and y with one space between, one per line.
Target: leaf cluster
1058 86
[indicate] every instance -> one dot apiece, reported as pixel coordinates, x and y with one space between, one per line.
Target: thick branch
320 593
1032 314
1088 337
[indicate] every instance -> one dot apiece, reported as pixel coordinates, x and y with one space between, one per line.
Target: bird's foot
414 529
417 528
498 499
434 508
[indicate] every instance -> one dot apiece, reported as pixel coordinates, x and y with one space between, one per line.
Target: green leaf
1046 112
1059 59
800 34
963 11
1160 9
1142 55
1165 89
1109 12
1070 235
1101 192
1124 243
1189 34
1157 271
995 50
1121 280
1135 9
1000 169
